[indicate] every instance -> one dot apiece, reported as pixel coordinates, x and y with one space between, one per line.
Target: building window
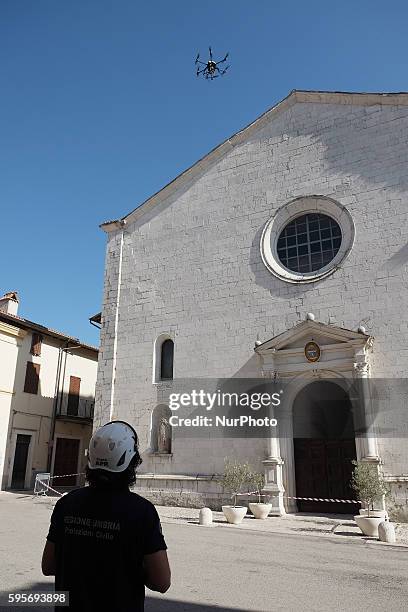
32 378
36 341
309 242
163 358
307 239
166 361
73 395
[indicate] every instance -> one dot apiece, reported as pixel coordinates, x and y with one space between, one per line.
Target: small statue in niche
164 436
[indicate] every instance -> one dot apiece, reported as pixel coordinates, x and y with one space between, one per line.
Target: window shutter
36 341
32 378
73 397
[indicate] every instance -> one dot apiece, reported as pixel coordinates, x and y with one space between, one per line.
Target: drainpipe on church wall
115 338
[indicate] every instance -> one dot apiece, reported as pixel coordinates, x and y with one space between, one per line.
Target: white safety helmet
112 447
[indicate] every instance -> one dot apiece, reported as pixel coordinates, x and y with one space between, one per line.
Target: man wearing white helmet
105 543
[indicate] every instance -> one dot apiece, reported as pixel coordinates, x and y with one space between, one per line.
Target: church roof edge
295 96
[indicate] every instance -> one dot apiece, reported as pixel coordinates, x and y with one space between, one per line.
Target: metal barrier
42 481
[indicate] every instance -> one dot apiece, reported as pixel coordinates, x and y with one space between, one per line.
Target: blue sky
100 107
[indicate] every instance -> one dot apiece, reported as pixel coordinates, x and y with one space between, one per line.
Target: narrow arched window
166 360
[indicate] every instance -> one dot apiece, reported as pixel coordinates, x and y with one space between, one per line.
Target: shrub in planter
369 486
235 476
259 509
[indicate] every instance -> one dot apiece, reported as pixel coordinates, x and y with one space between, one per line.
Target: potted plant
369 486
259 509
235 476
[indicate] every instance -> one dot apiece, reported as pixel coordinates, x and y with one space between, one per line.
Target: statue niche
161 430
164 436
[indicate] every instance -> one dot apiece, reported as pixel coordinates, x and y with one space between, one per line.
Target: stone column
273 471
273 463
361 374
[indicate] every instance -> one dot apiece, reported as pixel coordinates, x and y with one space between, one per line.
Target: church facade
281 256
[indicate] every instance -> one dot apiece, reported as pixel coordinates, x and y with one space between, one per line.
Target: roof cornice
295 96
25 324
12 330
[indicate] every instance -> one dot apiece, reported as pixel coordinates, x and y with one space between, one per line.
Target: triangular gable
315 330
295 96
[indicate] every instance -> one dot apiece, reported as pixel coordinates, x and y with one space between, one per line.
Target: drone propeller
209 68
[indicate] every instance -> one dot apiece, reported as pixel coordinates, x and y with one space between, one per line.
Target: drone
211 70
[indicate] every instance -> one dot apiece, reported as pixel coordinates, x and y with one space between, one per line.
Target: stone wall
192 267
183 491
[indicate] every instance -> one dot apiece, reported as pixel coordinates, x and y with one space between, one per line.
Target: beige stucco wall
31 414
10 339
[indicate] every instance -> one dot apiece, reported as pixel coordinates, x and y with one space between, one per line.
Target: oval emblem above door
312 351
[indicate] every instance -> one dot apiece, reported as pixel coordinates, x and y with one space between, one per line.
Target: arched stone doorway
324 446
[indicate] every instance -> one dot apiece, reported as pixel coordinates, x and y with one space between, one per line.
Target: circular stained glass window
309 243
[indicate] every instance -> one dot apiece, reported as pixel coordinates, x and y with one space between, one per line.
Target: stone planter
259 510
373 513
234 514
369 524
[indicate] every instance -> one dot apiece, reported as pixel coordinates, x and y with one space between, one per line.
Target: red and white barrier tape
318 499
66 475
321 499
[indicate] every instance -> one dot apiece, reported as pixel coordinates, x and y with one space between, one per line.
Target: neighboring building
47 389
291 235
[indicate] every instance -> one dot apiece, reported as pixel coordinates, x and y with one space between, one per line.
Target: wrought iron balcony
80 410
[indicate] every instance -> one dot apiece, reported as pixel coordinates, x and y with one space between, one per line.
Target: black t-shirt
100 540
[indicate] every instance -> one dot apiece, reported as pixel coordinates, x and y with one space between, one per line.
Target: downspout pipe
58 397
121 224
54 407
